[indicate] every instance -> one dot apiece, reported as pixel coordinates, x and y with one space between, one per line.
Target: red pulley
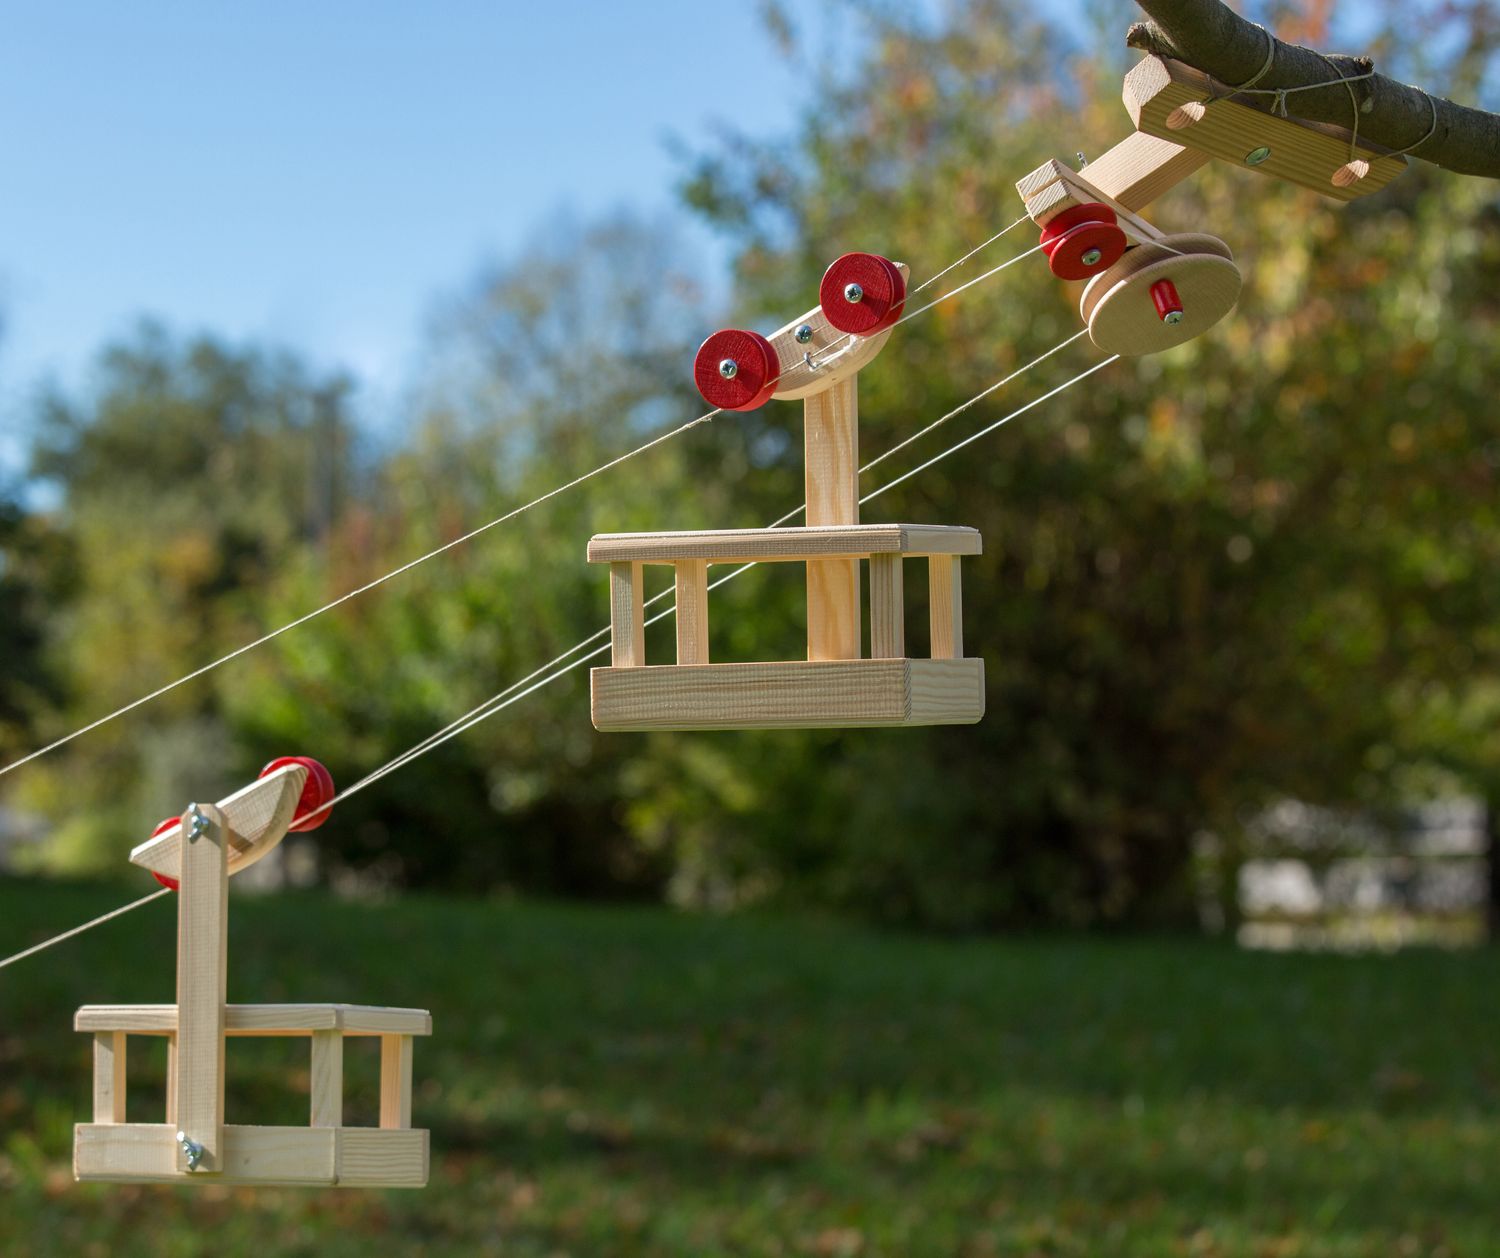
736 370
1168 303
1082 241
862 293
317 792
162 826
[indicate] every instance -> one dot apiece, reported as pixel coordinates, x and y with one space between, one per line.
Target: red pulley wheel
162 826
736 370
862 293
1082 241
316 792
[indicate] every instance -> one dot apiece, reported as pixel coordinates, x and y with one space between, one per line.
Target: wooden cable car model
817 358
196 854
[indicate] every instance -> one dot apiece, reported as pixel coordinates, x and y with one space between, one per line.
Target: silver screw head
853 293
1256 156
1172 316
1092 257
728 368
804 334
197 824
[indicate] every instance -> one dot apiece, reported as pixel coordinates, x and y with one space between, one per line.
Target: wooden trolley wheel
1118 305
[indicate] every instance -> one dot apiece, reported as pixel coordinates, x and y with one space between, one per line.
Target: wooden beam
358 1157
887 608
1133 174
300 1019
831 442
945 607
109 1076
627 616
790 694
786 545
327 1091
395 1081
202 944
1241 131
692 611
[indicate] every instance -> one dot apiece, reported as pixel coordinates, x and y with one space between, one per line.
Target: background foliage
1256 566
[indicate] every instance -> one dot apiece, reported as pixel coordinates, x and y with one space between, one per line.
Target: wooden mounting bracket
257 817
1127 179
1166 100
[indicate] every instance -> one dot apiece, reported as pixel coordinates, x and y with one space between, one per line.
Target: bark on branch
1207 35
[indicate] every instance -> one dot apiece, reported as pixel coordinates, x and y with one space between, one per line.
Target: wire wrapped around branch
1210 37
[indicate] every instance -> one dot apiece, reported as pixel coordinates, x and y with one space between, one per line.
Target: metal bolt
197 823
1256 156
853 293
1082 160
804 334
1092 257
1172 316
192 1149
728 368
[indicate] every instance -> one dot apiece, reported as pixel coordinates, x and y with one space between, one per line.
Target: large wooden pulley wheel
1161 294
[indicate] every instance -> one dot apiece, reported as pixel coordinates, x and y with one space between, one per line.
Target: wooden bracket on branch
1207 35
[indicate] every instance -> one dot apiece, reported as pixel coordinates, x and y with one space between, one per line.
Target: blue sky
315 174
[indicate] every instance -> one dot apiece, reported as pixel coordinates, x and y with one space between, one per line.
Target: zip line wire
509 515
521 689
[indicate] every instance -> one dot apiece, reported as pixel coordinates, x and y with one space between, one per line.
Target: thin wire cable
984 432
974 401
78 930
484 528
512 695
355 593
953 266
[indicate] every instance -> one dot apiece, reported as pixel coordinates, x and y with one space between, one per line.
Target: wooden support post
946 604
171 1115
327 1099
627 616
202 942
831 442
109 1076
692 611
887 608
395 1081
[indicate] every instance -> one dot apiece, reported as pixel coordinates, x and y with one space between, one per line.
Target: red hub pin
1082 241
862 294
162 826
736 370
317 792
1168 303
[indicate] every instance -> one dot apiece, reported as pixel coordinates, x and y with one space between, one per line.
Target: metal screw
804 334
1092 257
1172 316
192 1149
1082 160
197 823
728 368
853 293
1256 156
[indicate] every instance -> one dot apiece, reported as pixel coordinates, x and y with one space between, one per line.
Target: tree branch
1210 37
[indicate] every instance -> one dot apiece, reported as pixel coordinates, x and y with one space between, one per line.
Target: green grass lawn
631 1081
